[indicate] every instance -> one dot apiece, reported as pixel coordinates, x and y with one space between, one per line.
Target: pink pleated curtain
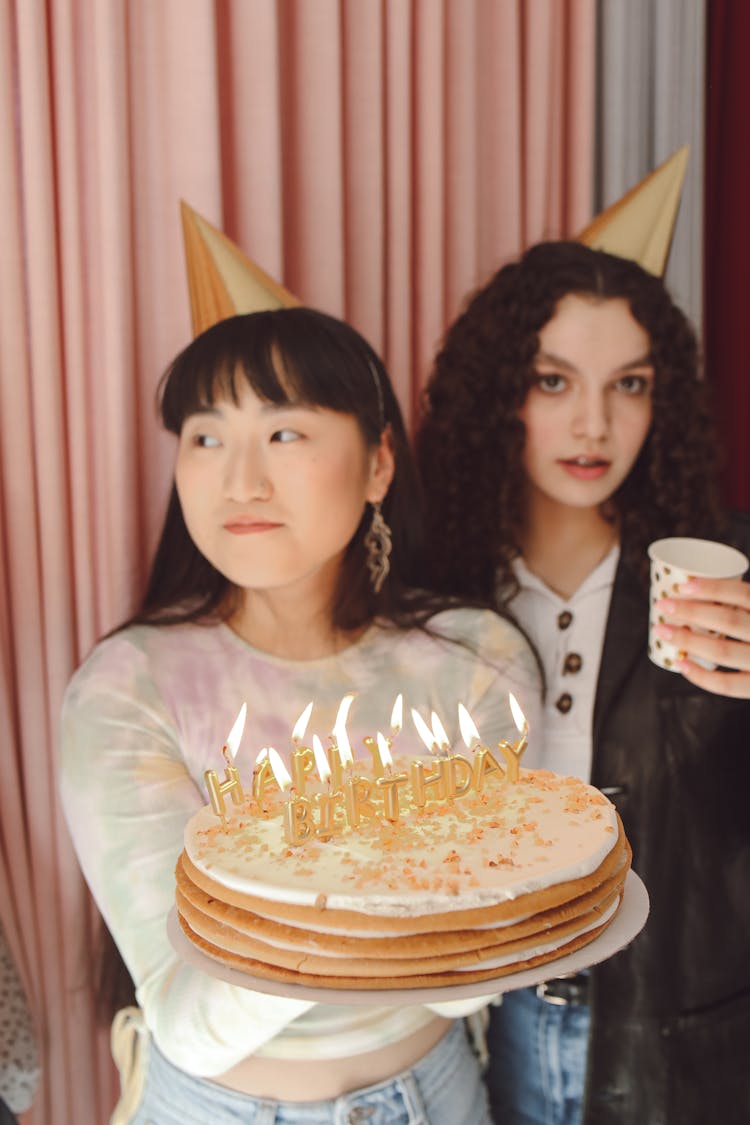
379 157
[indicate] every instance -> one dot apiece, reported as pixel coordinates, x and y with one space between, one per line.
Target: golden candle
333 755
217 790
485 764
422 780
457 774
297 815
263 777
299 824
231 783
424 732
389 782
377 763
279 770
330 823
302 756
467 726
326 803
523 727
321 762
512 753
357 802
340 756
511 761
302 763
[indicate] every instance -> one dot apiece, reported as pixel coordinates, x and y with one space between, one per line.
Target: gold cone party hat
222 281
640 225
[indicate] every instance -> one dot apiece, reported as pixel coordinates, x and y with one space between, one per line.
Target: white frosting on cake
476 851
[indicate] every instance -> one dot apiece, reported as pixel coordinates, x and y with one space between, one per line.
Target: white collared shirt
569 636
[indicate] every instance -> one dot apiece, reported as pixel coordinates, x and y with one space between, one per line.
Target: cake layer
418 980
308 931
540 937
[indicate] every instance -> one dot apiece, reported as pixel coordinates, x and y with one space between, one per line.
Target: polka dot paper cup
674 561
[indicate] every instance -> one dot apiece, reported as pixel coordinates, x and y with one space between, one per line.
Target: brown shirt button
564 703
564 619
572 664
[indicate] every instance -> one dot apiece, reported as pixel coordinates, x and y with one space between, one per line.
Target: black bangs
284 355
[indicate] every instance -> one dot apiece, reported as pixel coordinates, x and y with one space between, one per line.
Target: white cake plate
627 923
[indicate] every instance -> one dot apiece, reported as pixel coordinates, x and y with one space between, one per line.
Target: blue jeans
537 1067
443 1088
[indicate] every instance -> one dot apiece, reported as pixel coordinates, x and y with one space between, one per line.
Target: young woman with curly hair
565 428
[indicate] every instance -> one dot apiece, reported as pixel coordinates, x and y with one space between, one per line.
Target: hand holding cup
700 614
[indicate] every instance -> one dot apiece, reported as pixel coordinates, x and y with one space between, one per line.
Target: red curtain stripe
727 237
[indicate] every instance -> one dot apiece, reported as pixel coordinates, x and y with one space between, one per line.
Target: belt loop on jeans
565 990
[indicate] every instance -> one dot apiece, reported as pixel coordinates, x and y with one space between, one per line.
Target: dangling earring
378 545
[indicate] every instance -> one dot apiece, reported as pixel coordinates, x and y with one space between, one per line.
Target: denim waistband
441 1089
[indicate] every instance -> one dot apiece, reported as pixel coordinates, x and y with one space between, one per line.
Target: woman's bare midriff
304 1080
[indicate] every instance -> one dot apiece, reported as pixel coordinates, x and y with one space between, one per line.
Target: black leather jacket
670 1035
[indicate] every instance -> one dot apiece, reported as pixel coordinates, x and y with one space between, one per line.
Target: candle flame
518 716
339 731
440 736
423 730
344 748
343 712
262 755
280 772
235 735
301 725
384 751
397 715
321 762
468 728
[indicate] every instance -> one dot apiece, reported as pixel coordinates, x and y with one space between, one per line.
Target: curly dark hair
470 442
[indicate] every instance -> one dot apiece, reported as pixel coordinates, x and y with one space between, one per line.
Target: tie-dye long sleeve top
149 711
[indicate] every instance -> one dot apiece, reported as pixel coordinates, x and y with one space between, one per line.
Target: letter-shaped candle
340 752
485 762
231 783
263 777
455 771
298 817
302 756
325 802
397 718
389 783
421 780
512 753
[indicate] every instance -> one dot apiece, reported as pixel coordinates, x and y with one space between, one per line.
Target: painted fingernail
666 632
666 606
689 587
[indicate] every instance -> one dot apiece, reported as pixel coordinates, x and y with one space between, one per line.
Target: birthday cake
398 885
